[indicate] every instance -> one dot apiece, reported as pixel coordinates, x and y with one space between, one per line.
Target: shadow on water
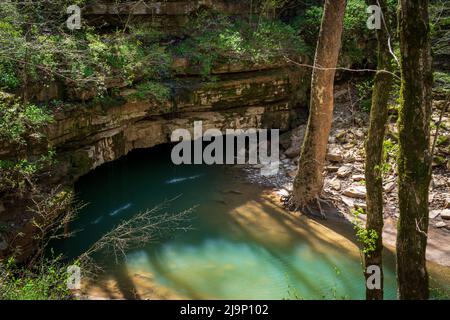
243 245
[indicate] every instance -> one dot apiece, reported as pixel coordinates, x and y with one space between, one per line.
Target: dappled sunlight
144 283
267 222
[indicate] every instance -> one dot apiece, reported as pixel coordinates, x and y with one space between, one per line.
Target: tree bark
308 182
414 162
374 153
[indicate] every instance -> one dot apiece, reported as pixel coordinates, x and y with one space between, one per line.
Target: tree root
324 217
291 205
308 210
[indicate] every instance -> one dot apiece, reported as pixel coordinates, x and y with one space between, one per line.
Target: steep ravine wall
171 16
86 136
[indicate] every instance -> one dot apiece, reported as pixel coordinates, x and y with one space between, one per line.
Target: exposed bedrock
85 138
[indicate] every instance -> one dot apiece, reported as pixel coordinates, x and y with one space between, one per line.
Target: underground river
242 244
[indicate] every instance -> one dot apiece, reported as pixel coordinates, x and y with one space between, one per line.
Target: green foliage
15 174
355 34
45 281
390 154
308 23
442 81
442 140
355 31
19 121
108 101
9 77
82 59
220 38
359 211
270 5
368 238
437 291
364 92
439 25
152 89
96 60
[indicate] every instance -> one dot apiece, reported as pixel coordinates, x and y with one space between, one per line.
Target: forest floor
344 182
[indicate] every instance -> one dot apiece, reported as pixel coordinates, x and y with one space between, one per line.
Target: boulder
344 171
285 140
358 192
334 154
434 213
349 202
445 214
358 177
439 182
292 152
296 142
359 134
389 187
447 203
341 136
440 224
335 184
283 192
332 168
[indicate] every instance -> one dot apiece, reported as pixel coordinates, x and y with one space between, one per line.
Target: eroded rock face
164 8
170 15
86 137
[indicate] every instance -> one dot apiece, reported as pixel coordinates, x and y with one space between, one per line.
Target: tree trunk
414 159
308 182
374 153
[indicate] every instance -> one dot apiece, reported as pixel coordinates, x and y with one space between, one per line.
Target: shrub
152 89
41 51
15 174
221 38
355 34
19 120
45 281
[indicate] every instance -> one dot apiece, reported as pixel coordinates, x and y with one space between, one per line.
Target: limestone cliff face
171 16
86 137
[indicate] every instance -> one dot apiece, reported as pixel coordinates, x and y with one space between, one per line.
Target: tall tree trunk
374 153
414 159
308 182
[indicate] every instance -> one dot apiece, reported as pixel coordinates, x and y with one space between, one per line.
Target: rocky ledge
85 136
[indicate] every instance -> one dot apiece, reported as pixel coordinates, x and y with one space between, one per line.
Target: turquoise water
240 246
